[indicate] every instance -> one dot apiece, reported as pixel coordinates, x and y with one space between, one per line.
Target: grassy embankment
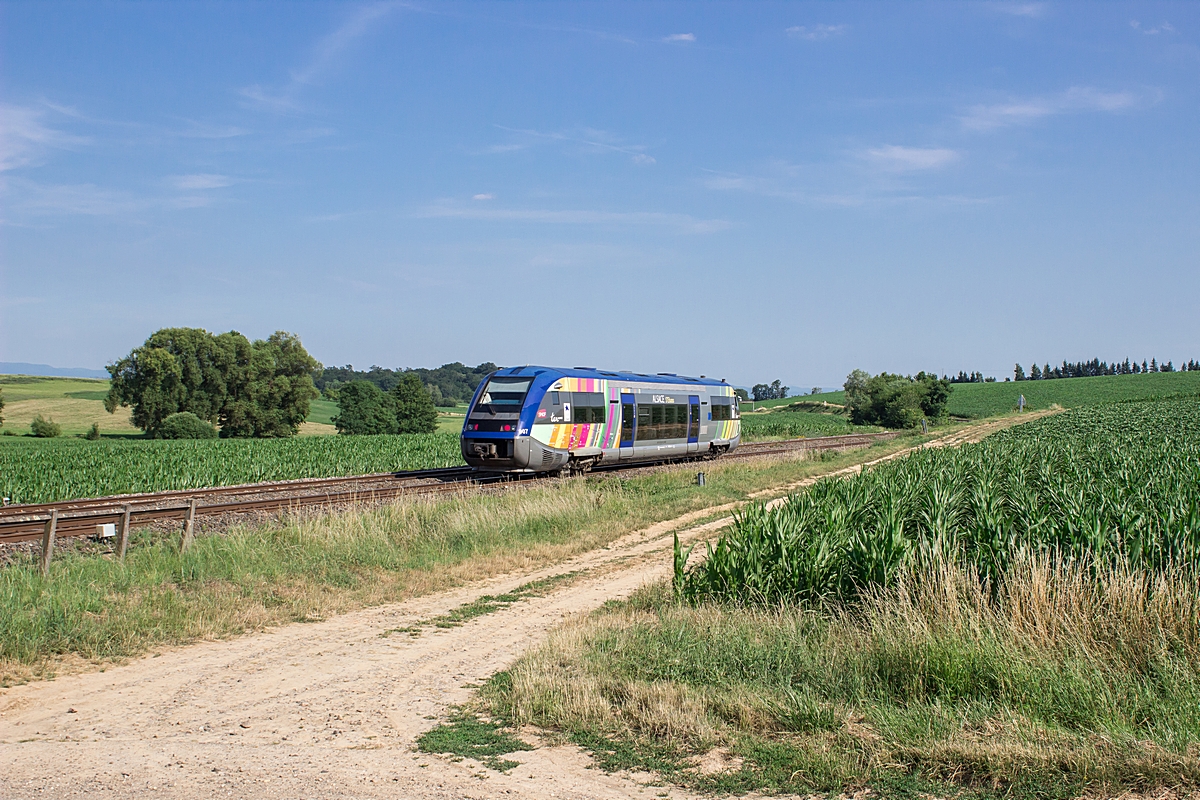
1074 670
93 609
978 400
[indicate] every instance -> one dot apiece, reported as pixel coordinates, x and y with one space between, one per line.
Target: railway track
27 522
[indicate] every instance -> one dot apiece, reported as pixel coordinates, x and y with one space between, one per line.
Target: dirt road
323 710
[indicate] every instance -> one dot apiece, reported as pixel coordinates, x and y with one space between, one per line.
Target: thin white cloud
1165 27
590 138
680 37
25 138
683 222
1076 100
69 199
897 158
200 181
814 33
1031 10
483 197
325 56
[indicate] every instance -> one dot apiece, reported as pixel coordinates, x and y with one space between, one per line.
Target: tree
414 407
271 388
176 369
254 389
364 410
1 406
1019 373
895 401
815 390
742 393
1035 372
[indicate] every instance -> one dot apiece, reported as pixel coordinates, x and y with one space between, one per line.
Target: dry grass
73 414
1061 681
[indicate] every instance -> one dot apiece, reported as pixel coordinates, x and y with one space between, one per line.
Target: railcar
546 419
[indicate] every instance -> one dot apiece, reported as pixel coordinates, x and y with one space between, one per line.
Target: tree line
448 385
1095 367
251 389
973 377
775 390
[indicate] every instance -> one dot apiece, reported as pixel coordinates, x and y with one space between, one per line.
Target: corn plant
1103 485
46 471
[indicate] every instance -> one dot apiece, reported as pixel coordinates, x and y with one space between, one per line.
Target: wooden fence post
189 524
48 541
123 535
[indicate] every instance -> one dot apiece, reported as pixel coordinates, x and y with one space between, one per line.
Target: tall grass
1060 679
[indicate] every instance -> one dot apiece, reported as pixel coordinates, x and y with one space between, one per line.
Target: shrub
93 432
895 401
45 428
184 425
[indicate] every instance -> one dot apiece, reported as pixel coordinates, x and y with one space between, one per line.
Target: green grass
33 471
95 608
322 411
465 735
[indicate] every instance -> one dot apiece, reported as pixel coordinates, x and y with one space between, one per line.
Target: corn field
1113 484
44 472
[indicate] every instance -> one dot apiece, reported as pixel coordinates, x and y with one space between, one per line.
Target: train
546 419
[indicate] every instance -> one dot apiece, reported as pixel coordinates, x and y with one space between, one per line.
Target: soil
329 709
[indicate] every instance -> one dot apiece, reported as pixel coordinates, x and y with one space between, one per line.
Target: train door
694 424
628 422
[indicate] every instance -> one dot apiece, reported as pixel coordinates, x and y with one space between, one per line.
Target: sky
753 191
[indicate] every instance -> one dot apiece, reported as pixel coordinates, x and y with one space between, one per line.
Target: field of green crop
795 424
42 471
1118 483
977 400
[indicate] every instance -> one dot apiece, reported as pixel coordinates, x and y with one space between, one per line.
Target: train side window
645 430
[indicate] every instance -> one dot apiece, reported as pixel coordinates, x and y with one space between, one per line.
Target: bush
45 428
93 432
185 425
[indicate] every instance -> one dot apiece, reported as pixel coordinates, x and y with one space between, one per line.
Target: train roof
612 375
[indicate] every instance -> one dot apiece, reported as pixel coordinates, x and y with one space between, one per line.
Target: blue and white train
543 419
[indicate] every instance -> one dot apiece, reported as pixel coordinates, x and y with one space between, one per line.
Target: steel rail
21 523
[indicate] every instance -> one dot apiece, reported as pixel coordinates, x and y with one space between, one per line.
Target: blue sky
750 191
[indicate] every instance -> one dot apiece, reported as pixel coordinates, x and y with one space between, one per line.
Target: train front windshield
505 393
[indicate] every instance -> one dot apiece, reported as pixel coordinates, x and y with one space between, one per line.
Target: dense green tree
364 410
415 412
271 388
176 369
1019 372
1 406
895 401
254 389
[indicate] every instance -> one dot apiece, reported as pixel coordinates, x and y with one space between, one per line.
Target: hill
976 400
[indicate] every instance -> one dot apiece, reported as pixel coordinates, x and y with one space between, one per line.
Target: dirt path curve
321 710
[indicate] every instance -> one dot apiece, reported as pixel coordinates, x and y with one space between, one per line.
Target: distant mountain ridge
45 370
